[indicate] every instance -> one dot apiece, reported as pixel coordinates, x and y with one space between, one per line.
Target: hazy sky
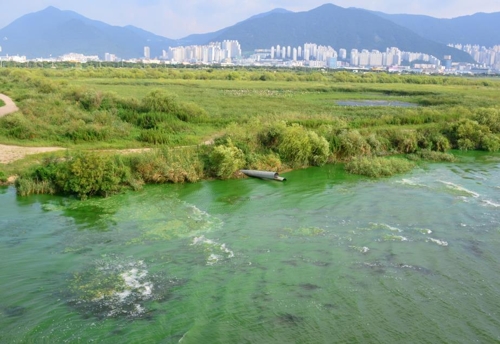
179 18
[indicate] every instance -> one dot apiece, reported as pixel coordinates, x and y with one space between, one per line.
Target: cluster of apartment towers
311 53
215 52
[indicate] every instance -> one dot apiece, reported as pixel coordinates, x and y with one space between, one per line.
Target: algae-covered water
322 258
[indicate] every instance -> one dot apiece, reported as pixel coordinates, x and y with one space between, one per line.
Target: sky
179 18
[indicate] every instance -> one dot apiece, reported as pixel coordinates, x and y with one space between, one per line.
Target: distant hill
335 26
55 32
201 39
479 28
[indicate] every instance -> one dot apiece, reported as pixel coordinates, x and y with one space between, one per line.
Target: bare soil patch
9 154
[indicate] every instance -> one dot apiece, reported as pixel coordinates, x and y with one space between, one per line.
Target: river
324 257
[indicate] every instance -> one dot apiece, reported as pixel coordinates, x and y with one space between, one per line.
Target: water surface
325 257
375 103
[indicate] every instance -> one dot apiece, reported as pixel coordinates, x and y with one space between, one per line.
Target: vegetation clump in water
376 167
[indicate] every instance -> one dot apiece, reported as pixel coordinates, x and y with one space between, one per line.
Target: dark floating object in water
263 175
291 319
309 286
14 311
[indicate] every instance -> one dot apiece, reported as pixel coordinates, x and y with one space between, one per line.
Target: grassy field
256 118
2 103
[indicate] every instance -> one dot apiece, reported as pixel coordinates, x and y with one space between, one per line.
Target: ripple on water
459 190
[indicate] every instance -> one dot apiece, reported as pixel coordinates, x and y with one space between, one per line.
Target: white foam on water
490 203
133 288
410 182
207 221
459 188
363 249
424 231
395 238
216 251
386 226
133 279
437 241
213 259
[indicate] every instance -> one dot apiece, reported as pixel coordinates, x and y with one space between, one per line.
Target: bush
271 136
19 127
26 186
490 143
434 156
155 136
489 117
267 162
3 177
320 149
378 167
404 141
90 174
191 112
295 146
160 101
351 143
469 135
225 160
168 166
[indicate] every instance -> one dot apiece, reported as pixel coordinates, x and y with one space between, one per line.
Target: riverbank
282 123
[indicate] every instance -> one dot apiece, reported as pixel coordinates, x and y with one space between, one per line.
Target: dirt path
9 107
9 154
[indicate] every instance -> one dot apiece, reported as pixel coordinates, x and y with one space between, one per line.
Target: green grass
93 109
2 103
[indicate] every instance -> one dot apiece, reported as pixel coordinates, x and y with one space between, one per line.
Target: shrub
271 136
434 156
26 186
168 166
490 143
3 177
351 143
468 134
160 101
19 127
89 174
191 112
151 120
155 136
375 145
225 160
489 117
376 167
267 162
404 141
295 146
320 149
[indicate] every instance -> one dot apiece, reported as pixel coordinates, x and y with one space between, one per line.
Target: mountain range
55 32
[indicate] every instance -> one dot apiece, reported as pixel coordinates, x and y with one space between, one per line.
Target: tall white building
232 48
343 54
147 53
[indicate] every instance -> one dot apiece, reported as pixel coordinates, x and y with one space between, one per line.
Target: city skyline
175 19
